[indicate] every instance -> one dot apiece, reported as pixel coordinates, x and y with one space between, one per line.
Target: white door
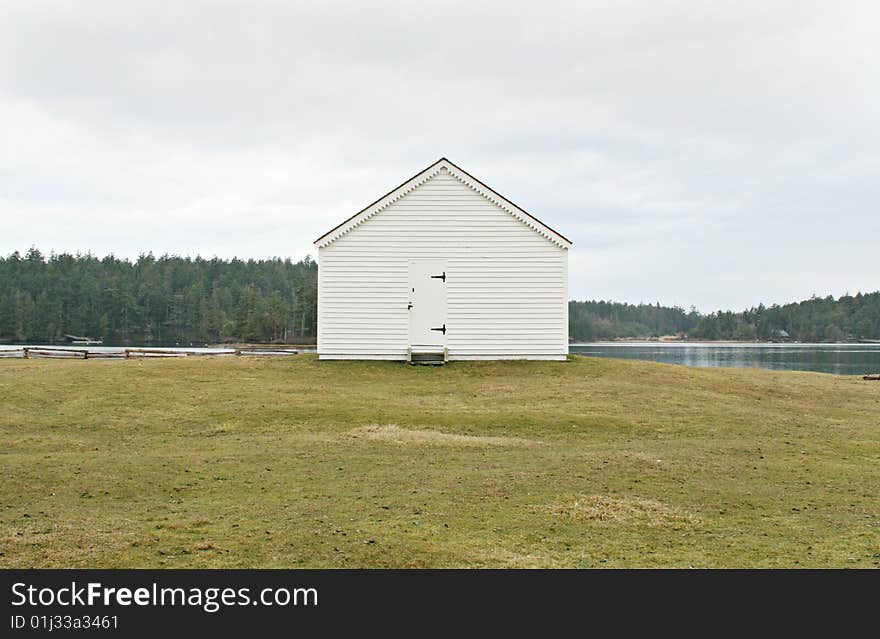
427 311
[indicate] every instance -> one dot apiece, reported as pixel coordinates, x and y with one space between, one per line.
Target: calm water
841 359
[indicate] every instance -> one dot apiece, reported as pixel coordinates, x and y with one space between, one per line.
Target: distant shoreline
313 347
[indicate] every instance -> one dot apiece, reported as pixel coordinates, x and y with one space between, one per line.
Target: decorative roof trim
423 176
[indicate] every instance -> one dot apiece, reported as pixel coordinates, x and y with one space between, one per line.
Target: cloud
716 154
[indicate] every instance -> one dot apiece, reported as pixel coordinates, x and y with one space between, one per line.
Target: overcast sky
719 154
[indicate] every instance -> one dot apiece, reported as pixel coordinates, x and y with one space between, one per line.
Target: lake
840 359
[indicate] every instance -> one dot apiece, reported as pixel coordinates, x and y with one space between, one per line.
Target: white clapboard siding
507 274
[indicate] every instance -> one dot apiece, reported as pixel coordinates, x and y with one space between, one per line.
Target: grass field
292 462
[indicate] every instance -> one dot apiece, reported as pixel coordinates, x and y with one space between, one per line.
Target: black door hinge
442 329
439 277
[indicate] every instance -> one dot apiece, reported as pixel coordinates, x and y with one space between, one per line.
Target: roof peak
422 176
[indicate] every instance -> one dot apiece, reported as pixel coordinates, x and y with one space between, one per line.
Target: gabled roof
423 176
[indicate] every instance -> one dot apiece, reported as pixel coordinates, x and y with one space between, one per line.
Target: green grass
250 462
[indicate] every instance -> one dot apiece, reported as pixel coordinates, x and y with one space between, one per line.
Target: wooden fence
48 352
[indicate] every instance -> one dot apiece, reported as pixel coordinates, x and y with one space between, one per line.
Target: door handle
440 277
442 329
409 306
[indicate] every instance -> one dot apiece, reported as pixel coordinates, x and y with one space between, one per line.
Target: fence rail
48 352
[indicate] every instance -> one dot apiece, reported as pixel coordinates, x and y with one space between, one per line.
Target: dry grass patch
500 557
633 511
415 436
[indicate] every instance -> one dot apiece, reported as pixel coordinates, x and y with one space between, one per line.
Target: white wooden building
442 267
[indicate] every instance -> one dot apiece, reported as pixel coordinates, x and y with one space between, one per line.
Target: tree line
818 319
164 300
181 300
847 318
599 320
